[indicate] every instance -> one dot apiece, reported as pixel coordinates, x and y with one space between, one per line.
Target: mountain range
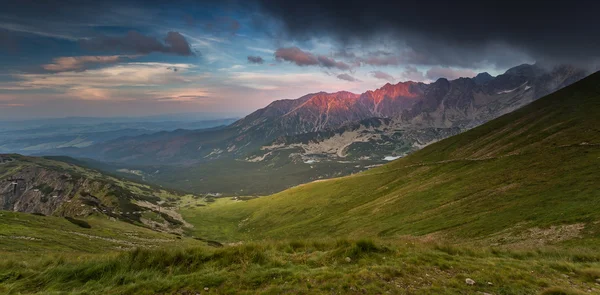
333 134
508 207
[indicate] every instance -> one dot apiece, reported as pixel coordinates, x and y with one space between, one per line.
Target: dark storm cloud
135 42
303 58
177 44
255 59
456 33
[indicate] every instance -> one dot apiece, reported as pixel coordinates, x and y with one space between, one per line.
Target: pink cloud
12 105
303 58
297 56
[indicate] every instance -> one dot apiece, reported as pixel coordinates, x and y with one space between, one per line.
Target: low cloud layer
303 58
449 73
134 42
382 76
413 74
347 77
80 63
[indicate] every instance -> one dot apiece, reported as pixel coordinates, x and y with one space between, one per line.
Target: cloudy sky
134 58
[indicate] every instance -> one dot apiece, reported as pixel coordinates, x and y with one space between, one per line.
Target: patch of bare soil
535 237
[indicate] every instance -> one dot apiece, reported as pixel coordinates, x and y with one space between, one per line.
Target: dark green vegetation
251 178
223 173
513 205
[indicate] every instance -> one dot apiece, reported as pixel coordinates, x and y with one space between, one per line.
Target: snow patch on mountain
391 158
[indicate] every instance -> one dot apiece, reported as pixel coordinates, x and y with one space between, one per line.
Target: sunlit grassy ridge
533 168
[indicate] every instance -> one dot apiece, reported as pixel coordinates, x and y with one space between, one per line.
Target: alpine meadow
314 147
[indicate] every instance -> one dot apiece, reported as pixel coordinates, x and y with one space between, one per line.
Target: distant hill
33 137
531 176
45 186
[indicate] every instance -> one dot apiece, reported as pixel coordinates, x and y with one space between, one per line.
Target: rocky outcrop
48 187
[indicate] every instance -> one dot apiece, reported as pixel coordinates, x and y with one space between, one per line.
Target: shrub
364 247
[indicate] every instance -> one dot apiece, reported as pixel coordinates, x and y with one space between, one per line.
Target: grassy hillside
26 235
529 175
511 207
48 186
315 267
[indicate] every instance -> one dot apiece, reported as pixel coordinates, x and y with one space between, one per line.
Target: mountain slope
527 178
47 186
531 175
429 113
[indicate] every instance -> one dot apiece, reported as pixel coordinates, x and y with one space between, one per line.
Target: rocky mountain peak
483 78
402 89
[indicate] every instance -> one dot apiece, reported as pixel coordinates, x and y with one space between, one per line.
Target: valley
508 207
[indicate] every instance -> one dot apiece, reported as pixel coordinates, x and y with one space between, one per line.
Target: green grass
515 176
307 267
26 235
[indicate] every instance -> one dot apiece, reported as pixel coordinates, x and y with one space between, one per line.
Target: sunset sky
134 58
